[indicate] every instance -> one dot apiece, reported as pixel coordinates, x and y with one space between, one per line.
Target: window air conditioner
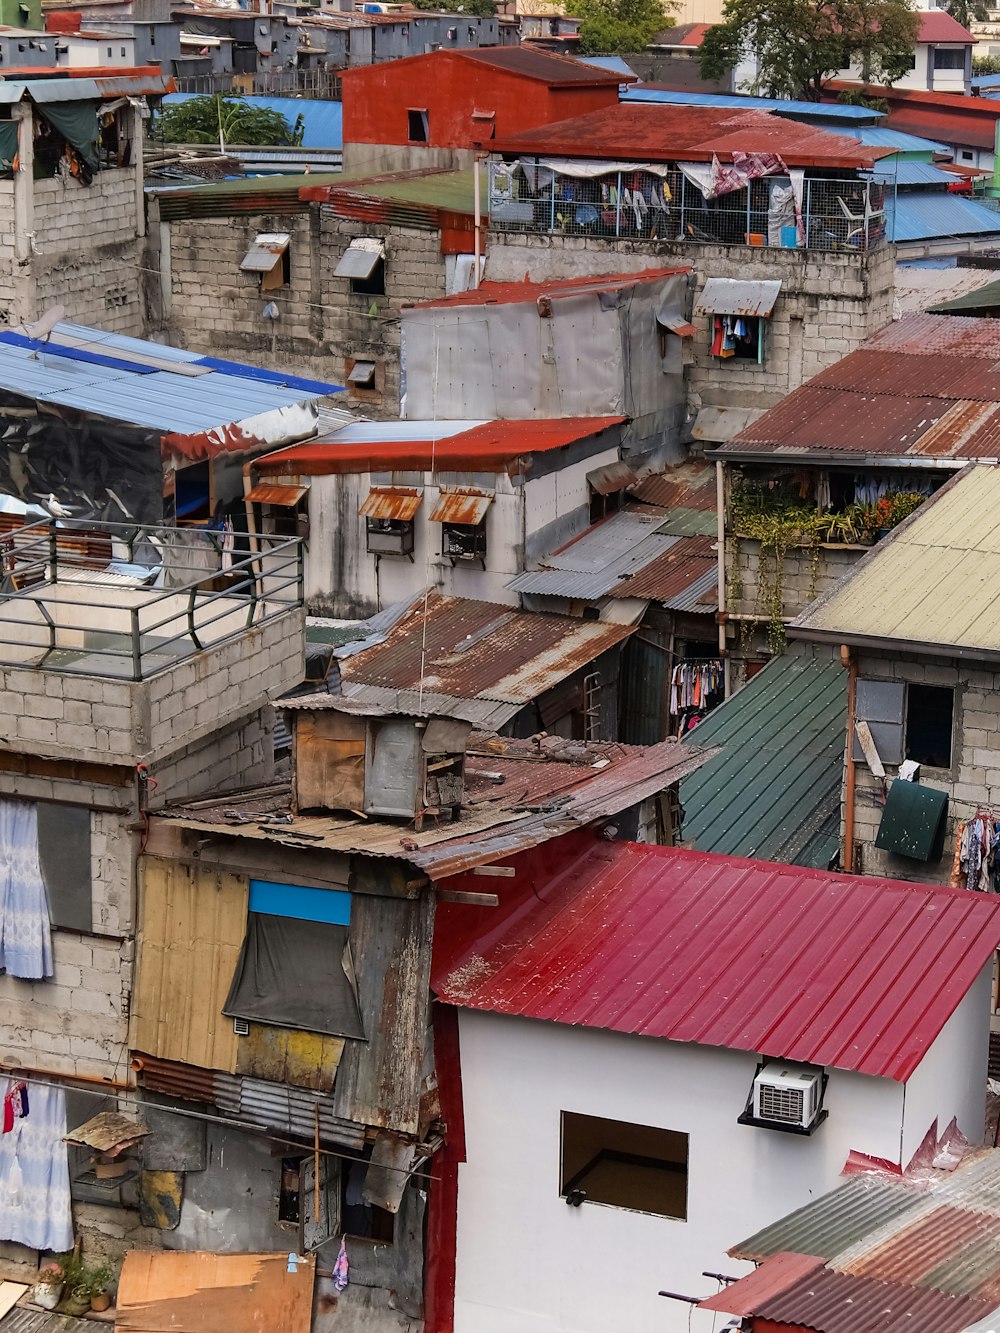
788 1095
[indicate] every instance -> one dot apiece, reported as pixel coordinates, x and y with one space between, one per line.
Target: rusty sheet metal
161 1196
268 430
303 1059
835 1303
388 1171
480 650
108 1130
285 497
932 335
166 1291
905 375
737 296
613 477
776 1275
395 502
462 505
673 572
953 432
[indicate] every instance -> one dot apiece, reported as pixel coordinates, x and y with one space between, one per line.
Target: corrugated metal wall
191 928
643 687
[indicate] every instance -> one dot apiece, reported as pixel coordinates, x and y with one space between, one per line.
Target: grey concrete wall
805 575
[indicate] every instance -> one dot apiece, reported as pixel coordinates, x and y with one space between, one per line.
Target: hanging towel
342 1268
25 936
35 1151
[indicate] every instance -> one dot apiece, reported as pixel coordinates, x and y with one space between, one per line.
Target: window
967 156
362 375
624 1166
949 57
64 854
109 52
358 1219
929 713
607 486
417 125
289 1192
462 515
389 512
738 338
364 263
193 493
267 264
463 541
374 283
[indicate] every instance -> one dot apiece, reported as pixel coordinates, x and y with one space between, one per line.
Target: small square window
362 375
738 338
929 715
638 1167
418 128
967 156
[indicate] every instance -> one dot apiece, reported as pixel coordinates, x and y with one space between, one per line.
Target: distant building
967 125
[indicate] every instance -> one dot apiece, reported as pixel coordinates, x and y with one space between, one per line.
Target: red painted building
465 99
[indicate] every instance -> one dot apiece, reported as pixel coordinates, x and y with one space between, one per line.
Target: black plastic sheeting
292 974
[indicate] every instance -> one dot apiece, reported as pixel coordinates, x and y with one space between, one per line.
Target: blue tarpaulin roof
857 115
880 137
931 215
613 63
322 125
899 171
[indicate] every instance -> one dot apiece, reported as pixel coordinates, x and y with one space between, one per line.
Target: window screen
64 853
295 974
627 1166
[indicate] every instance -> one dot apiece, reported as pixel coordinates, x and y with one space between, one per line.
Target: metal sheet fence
838 213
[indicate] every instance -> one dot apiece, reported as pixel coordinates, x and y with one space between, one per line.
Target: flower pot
100 1300
47 1294
77 1303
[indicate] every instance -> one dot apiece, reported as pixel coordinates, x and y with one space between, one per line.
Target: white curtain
34 1174
25 936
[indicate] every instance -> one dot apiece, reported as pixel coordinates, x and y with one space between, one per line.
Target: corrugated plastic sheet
481 650
835 970
914 215
778 775
835 1303
928 582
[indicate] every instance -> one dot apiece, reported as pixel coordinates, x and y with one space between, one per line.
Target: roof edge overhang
838 458
813 634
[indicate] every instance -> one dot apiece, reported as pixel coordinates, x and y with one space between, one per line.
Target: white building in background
661 1049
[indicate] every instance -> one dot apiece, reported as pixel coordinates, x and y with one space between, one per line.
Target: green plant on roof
227 120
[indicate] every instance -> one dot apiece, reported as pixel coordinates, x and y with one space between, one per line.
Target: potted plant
98 1281
48 1288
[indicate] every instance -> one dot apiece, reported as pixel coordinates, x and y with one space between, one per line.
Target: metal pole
478 224
618 208
136 645
808 187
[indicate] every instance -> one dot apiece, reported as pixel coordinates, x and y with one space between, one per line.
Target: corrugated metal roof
322 122
936 25
939 290
835 1303
837 1220
543 66
835 970
615 64
689 486
286 497
466 507
830 111
395 502
982 296
778 776
24 1320
928 582
944 1248
900 171
913 216
94 372
673 575
776 1275
480 650
735 296
880 136
504 293
138 82
594 563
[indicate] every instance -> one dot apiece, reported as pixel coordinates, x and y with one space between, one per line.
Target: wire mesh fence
830 213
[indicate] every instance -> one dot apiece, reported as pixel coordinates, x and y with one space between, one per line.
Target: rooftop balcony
124 642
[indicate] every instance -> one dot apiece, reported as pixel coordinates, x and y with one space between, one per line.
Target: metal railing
839 213
317 83
127 601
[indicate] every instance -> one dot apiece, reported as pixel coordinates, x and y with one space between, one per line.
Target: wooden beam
469 899
500 872
868 748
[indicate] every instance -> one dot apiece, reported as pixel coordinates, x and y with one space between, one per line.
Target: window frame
473 532
938 689
952 63
423 120
570 1185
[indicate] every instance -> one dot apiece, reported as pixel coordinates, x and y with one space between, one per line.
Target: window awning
361 372
673 319
360 257
734 296
285 497
613 477
462 506
266 252
398 502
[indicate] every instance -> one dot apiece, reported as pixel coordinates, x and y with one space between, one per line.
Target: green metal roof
774 790
689 523
835 1221
982 298
453 190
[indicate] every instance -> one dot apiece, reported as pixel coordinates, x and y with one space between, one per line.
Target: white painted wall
88 52
528 1263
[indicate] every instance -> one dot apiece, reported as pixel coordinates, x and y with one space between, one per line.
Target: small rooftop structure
924 588
946 117
925 392
937 27
656 942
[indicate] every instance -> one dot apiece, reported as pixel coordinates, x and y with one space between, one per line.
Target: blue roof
986 81
898 171
880 137
322 122
112 376
613 63
929 216
795 110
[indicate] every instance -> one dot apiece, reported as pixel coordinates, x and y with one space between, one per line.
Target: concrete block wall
829 304
240 755
65 716
974 776
802 580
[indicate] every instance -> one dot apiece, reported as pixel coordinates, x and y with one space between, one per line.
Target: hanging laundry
25 933
34 1175
695 689
975 865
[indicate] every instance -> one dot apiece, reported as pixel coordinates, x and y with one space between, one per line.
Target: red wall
377 98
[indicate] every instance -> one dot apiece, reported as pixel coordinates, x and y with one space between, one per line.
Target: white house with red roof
645 1050
942 56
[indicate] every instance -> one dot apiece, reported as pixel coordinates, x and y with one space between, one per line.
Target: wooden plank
470 899
499 872
163 1291
10 1294
329 751
868 748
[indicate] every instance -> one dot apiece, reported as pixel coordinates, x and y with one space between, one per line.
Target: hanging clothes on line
695 689
25 933
976 865
34 1172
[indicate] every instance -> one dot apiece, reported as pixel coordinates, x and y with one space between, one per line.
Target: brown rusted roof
268 494
397 502
927 386
671 573
480 650
688 486
464 505
835 1303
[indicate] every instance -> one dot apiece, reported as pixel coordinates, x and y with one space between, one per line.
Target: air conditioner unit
788 1095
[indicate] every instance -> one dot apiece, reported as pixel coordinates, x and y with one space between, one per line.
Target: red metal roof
486 448
655 132
834 1303
836 970
774 1275
557 71
926 385
505 293
683 34
937 25
943 116
690 485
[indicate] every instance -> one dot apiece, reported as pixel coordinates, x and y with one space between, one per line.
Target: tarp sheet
77 123
8 144
295 974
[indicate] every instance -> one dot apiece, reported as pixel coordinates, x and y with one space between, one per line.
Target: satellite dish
43 326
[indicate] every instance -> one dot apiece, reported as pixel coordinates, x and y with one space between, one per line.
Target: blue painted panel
330 905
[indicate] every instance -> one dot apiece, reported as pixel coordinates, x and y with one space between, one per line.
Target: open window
607 486
363 262
462 515
193 493
929 717
739 313
267 265
64 857
361 376
417 125
484 125
283 511
389 512
638 1167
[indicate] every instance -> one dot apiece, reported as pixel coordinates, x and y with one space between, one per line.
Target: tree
227 120
967 12
799 44
483 9
615 27
986 65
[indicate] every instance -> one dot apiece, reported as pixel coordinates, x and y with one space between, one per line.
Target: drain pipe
849 660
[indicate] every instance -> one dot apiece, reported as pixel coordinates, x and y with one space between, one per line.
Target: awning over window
462 506
613 477
362 372
266 252
285 497
360 257
673 319
734 296
398 502
295 974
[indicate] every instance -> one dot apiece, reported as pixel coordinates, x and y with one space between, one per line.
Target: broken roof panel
510 293
857 973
